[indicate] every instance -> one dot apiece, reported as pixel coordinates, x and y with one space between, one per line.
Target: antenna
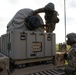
65 23
65 18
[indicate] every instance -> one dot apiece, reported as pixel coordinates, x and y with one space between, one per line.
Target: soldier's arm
38 11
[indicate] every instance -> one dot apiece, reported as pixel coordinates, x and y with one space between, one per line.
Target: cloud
71 3
69 20
12 1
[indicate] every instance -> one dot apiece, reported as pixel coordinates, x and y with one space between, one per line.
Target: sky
8 9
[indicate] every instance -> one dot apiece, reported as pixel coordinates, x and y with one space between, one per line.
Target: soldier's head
49 7
71 38
50 11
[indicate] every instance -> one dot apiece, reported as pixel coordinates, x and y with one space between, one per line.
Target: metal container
4 44
29 44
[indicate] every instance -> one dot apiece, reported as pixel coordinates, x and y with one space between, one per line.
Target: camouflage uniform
70 69
50 16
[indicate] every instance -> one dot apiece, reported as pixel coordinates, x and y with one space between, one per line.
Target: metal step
55 71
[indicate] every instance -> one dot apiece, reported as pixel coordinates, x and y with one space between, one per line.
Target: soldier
50 16
70 69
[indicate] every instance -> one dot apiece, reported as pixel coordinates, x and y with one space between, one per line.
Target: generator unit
28 44
26 40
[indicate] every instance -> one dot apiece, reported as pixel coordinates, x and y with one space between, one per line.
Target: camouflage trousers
70 70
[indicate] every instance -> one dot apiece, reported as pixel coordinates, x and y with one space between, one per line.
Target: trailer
4 64
39 69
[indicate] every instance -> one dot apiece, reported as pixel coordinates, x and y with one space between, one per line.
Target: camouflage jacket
72 55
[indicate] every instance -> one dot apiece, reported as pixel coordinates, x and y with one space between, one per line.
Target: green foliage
57 48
